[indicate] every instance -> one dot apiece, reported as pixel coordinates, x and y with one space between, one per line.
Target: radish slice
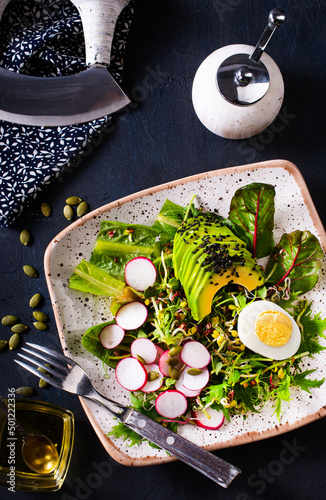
140 273
195 354
111 336
131 374
131 316
180 387
195 382
213 423
164 367
160 351
171 404
153 385
144 348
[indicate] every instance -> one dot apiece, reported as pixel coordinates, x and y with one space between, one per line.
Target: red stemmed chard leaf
298 256
252 208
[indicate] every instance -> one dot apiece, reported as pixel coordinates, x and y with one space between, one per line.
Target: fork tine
60 366
31 369
55 354
60 376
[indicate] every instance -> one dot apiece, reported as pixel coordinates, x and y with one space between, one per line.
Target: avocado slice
208 256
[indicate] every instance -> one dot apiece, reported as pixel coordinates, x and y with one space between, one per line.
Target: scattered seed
73 200
40 316
140 359
43 383
172 361
19 328
82 208
30 271
194 371
153 376
14 341
39 325
25 391
46 209
174 373
25 237
68 212
3 344
9 320
35 300
175 350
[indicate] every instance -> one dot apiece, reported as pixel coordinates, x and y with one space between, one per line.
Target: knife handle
99 18
203 461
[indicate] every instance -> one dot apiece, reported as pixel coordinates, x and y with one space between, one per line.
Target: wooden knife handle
99 18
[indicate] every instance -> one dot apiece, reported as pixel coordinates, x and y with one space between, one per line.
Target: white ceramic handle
99 18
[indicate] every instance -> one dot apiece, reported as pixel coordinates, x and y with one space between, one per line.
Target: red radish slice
164 367
171 404
131 316
160 351
153 385
144 348
111 336
195 354
140 273
213 423
195 382
131 374
180 387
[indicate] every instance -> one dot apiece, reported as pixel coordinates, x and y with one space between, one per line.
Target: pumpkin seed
175 350
140 359
39 325
40 316
73 200
30 271
68 212
194 371
35 300
3 344
19 328
46 209
9 320
43 383
25 237
172 361
152 376
14 341
82 208
174 373
25 391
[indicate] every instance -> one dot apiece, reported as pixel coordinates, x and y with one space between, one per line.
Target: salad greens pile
241 381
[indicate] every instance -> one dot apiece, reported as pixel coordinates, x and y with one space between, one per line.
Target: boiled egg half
267 329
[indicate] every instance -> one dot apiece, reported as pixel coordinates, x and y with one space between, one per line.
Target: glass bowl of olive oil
35 417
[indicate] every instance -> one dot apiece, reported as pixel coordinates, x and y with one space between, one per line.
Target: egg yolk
273 328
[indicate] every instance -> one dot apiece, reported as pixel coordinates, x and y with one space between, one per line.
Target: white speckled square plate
75 311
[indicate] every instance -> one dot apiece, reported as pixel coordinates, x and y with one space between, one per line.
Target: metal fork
71 377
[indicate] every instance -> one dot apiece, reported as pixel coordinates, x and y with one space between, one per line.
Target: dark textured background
158 140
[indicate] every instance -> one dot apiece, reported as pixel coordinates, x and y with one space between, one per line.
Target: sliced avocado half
208 256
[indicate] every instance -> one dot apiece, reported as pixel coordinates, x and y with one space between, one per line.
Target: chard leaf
252 209
87 277
298 256
118 242
305 383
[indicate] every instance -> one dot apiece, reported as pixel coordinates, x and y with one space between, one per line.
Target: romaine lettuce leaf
87 277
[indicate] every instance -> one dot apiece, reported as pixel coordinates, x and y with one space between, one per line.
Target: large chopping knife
72 99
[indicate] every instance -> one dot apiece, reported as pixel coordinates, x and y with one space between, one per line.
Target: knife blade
78 98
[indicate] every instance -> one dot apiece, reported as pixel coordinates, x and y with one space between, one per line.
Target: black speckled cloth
45 38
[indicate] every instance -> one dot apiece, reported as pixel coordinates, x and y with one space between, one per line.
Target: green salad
223 333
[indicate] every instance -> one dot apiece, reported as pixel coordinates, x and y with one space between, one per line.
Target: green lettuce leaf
118 242
168 220
87 277
298 256
252 209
